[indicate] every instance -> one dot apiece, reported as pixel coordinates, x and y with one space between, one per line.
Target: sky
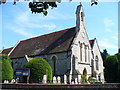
18 23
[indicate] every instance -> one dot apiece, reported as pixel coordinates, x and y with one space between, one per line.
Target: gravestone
65 79
7 81
13 81
58 79
44 79
4 81
76 82
17 80
54 80
79 79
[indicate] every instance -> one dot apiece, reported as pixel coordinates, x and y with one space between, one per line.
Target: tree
39 67
41 6
111 69
119 50
118 56
7 71
104 55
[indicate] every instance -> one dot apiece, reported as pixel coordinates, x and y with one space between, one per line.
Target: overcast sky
18 23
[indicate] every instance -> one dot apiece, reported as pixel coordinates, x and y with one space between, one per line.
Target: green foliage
104 55
83 79
41 7
118 56
92 80
111 69
7 71
39 67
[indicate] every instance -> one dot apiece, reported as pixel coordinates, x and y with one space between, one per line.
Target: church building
69 52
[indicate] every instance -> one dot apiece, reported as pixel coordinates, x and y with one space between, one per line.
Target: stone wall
63 63
112 86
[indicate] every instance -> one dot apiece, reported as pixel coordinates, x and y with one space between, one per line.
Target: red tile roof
6 51
59 41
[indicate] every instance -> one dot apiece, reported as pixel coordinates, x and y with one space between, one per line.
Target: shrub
111 69
118 56
92 80
39 67
6 69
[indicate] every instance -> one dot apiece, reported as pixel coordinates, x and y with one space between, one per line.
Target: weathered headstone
44 79
17 80
4 81
65 79
58 79
54 80
79 78
13 81
76 81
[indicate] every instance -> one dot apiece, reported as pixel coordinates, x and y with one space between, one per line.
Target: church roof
59 41
6 51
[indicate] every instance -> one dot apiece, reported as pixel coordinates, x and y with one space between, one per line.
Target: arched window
81 52
84 52
96 62
54 64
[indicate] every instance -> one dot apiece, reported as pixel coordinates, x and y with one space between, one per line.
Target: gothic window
85 54
81 51
54 64
82 16
88 55
96 62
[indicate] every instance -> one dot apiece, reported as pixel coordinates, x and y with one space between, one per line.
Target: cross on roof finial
80 3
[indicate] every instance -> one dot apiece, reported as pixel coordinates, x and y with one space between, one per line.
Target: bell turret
79 17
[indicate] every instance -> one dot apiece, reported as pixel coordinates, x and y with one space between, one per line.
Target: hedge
39 67
6 69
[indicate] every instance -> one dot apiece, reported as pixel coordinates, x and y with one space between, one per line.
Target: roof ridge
46 34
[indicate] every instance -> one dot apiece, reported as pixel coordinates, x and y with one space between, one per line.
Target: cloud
24 23
107 45
108 30
39 25
23 17
21 31
108 22
54 15
28 20
115 37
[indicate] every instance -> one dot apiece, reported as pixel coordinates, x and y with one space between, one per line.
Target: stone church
69 51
